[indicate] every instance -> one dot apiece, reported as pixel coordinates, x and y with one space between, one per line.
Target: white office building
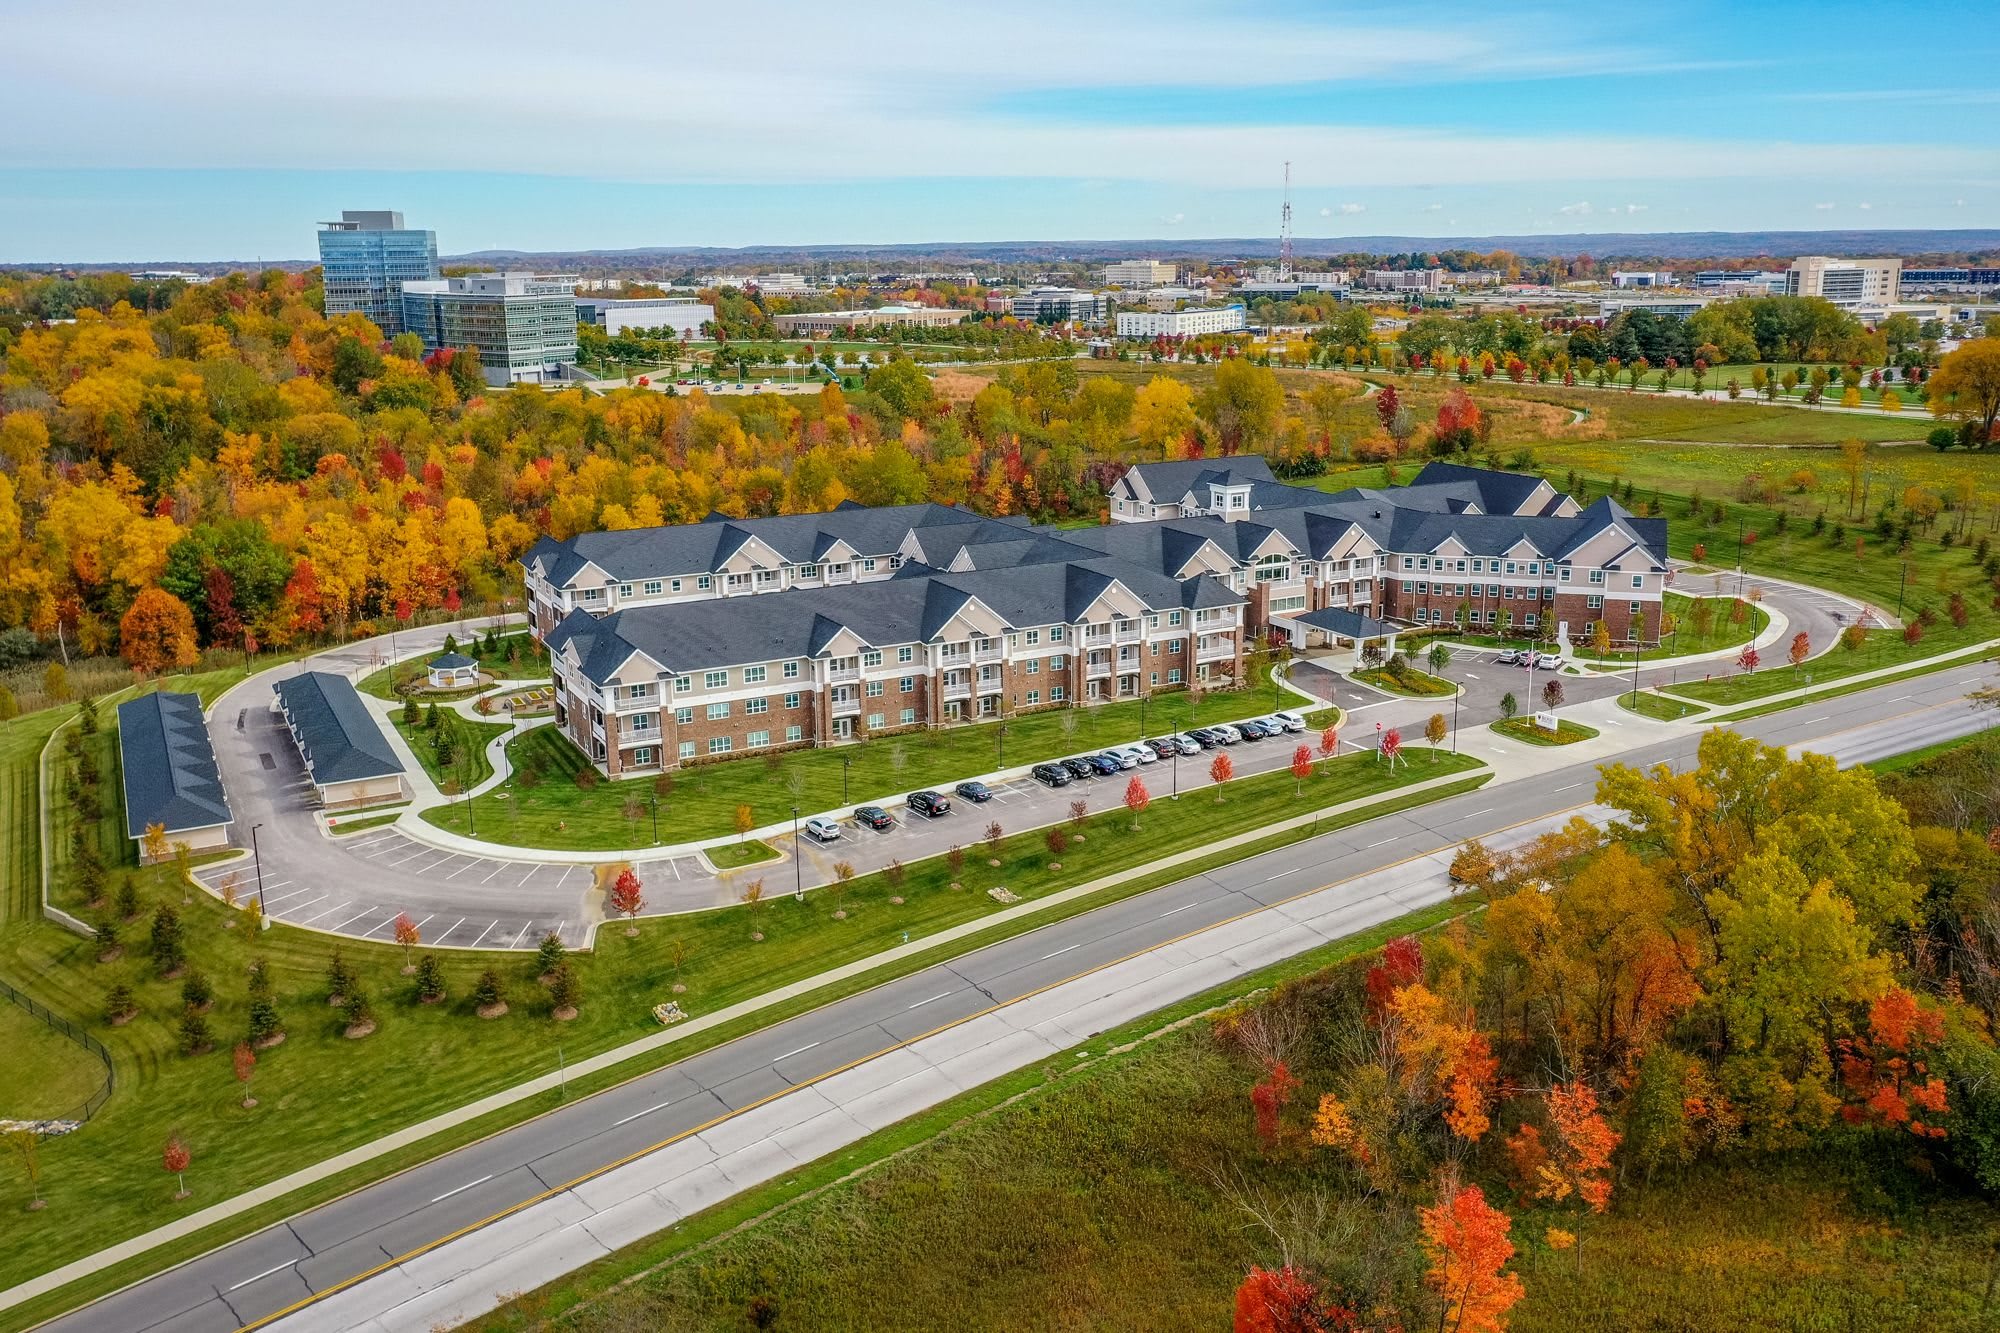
1180 323
683 315
1138 273
524 324
1846 282
1641 278
1053 305
1404 279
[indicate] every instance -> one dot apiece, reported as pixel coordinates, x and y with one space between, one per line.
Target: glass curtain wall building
366 257
524 324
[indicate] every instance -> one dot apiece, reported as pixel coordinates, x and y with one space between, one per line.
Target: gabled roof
1494 492
339 738
451 662
1167 482
168 765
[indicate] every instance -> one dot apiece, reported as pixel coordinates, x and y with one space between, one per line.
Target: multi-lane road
277 1268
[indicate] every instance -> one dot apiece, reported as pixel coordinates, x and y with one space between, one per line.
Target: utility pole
258 857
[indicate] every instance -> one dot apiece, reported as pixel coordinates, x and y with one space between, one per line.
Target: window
1056 662
683 716
682 684
1409 587
757 740
874 722
1594 601
1478 565
794 733
1597 576
906 653
1034 696
1057 693
1638 580
906 684
677 585
687 749
1565 576
642 690
1034 667
1459 567
1510 566
754 675
1034 637
1156 646
1531 620
871 658
907 716
1635 608
643 756
651 587
808 571
718 745
1155 679
1492 590
793 699
643 721
1409 562
868 565
1294 603
1176 645
1173 618
874 689
1173 675
755 707
717 712
1056 632
624 590
704 583
1507 593
715 680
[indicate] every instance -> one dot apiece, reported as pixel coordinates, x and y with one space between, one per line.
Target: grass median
321 1093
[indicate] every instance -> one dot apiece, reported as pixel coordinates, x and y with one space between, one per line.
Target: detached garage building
169 773
347 757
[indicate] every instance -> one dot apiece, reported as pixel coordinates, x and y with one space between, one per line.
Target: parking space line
309 902
498 866
530 875
366 911
462 869
523 935
281 897
567 872
674 864
425 921
328 912
483 933
454 926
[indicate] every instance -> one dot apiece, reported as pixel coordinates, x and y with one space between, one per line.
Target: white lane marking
1268 878
567 872
634 1116
498 866
328 912
462 1188
462 869
1182 908
366 911
1470 676
266 1273
1384 843
1809 721
1476 813
483 933
1572 787
530 875
1898 698
523 935
454 926
789 1054
939 996
673 864
1065 949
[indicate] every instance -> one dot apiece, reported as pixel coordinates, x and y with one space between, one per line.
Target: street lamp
258 857
656 819
1000 737
798 855
846 763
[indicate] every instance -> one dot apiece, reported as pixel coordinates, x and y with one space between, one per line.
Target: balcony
957 690
955 655
839 674
1097 670
1097 633
848 707
1215 652
987 654
1124 635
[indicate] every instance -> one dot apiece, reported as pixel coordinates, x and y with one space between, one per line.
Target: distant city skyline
210 132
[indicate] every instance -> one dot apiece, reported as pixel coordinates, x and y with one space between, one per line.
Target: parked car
976 792
821 829
1050 775
1285 721
1079 768
1205 738
1548 661
1513 657
1140 754
1185 743
1107 764
875 817
1165 746
1253 730
929 804
1120 758
1227 734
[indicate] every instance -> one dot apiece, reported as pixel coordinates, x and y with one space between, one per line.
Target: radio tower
1285 231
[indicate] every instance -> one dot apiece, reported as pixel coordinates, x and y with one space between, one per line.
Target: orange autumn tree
1280 1300
1448 1059
1467 1241
1885 1070
1575 1157
157 633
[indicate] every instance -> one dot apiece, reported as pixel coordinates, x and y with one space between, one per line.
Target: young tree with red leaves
243 1063
1392 746
1280 1300
1888 1079
1137 798
1220 770
1575 1157
1800 650
1749 659
1329 743
1466 1239
409 937
1386 404
627 897
1458 423
176 1158
1268 1099
1302 768
1402 965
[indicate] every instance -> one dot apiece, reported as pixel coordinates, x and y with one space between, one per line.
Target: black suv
1079 768
1253 730
929 804
1052 775
874 816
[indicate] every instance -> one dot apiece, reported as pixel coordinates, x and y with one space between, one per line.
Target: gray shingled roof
451 661
1347 624
339 738
168 765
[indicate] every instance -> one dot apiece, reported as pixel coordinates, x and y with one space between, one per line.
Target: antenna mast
1285 231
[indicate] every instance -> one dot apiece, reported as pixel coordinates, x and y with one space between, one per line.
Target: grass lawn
530 663
469 764
1731 624
1649 704
1409 682
1096 1175
323 1093
736 855
1834 692
701 801
48 1075
1522 729
342 827
1882 648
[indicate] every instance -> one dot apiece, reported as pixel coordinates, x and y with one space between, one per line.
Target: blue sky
222 129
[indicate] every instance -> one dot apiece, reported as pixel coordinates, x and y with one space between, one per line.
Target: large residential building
679 644
524 324
827 322
1180 323
1139 273
1054 305
366 258
682 314
1846 282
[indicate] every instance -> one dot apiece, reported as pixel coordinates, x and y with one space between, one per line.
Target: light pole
1000 737
798 855
258 857
1457 690
1635 675
656 819
846 764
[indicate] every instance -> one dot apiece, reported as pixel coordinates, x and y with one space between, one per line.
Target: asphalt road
282 1265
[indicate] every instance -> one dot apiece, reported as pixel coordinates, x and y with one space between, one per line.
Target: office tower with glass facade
524 324
366 258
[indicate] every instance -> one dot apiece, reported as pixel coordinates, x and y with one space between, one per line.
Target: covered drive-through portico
1337 627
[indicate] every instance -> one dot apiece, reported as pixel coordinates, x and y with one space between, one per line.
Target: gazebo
453 671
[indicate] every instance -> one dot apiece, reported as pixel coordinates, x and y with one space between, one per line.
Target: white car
1230 735
822 829
1188 744
1139 753
1284 721
1548 661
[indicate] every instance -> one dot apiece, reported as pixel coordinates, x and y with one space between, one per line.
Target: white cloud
1350 210
1864 207
1326 212
1174 218
1576 210
1439 208
1823 208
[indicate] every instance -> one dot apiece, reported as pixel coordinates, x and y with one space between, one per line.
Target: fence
94 1103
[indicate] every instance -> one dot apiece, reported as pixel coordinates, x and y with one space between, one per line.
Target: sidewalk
644 1046
1719 712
